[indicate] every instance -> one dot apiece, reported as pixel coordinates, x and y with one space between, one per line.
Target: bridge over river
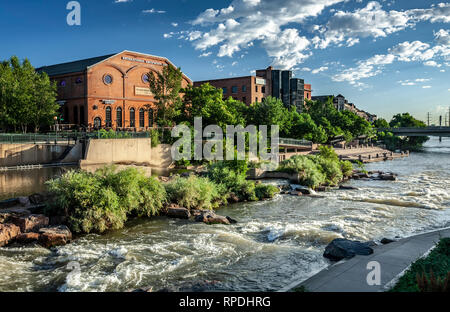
426 131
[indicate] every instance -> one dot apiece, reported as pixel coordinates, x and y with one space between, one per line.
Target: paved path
394 258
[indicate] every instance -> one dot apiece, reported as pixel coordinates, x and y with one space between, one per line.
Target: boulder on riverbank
27 238
31 223
54 236
341 248
177 212
8 232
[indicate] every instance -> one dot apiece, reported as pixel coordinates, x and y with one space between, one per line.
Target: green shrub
100 201
265 191
331 169
154 135
346 168
232 176
310 173
195 193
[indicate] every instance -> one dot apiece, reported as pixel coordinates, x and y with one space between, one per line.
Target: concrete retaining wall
110 151
30 154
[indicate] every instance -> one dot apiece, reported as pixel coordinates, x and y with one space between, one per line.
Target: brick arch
117 68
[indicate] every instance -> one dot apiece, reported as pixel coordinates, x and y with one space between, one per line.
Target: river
274 243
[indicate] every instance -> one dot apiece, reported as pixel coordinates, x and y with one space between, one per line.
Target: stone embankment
22 222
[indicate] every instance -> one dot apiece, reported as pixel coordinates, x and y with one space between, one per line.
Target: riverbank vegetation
324 168
429 274
105 200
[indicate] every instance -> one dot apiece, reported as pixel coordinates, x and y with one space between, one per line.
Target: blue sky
386 56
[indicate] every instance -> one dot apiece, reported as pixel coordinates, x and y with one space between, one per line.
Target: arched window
141 118
97 123
75 115
132 118
108 116
150 118
119 117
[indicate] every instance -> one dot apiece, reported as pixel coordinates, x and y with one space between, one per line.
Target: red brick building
249 89
267 82
108 91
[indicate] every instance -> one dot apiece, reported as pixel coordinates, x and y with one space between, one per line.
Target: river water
275 243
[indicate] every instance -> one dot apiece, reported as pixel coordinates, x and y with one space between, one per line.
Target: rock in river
54 236
177 212
341 248
8 232
210 217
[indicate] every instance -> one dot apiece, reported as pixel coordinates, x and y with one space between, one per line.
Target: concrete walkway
394 258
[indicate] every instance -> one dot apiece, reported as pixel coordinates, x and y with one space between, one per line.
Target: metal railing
294 142
67 137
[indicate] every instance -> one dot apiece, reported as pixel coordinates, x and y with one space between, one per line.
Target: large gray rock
341 248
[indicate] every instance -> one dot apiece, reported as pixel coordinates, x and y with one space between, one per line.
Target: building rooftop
72 67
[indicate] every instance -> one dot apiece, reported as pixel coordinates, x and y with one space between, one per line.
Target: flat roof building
108 91
248 89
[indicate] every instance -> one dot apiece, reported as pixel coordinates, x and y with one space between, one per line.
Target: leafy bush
96 202
331 169
195 193
311 174
232 176
111 134
320 169
264 191
346 168
154 136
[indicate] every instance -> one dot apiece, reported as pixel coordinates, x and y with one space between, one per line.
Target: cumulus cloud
246 21
371 21
345 28
122 1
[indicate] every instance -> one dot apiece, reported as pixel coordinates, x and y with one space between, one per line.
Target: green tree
269 112
166 86
207 102
27 98
410 143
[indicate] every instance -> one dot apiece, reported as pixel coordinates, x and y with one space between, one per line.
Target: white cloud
432 64
205 54
174 24
370 21
122 1
318 70
246 21
373 21
153 11
426 87
412 51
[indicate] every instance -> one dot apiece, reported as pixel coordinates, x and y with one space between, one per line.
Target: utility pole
440 121
428 118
